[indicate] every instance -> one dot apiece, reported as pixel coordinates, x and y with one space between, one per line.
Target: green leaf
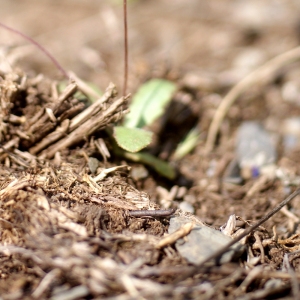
160 166
149 102
132 139
188 144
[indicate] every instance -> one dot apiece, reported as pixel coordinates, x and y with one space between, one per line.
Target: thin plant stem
218 253
125 49
260 75
250 229
39 46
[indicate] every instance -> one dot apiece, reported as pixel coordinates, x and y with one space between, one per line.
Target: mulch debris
65 235
76 222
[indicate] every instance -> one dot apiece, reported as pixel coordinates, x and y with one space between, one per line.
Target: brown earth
64 235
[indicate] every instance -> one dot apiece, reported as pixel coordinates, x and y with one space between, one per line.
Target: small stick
10 144
125 49
173 237
94 123
39 46
152 213
93 109
84 87
226 248
260 246
45 283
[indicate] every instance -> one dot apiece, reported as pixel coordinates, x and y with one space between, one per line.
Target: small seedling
148 104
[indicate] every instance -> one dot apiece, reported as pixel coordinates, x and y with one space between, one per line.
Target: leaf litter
67 233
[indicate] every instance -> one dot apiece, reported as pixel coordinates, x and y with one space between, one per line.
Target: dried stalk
264 73
94 123
226 248
94 108
47 119
173 237
51 138
68 126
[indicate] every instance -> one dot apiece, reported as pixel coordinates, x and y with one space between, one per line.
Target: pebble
93 164
291 92
254 148
291 133
186 207
201 242
139 172
258 14
232 173
249 59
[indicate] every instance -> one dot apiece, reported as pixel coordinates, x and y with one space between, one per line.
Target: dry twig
226 248
173 237
262 74
92 124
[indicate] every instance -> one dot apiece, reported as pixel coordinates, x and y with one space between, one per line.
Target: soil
65 235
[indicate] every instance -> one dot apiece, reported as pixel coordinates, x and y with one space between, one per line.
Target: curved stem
125 49
261 74
39 46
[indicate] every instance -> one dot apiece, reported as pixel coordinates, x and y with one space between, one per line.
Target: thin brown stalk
125 49
224 249
217 254
262 74
39 46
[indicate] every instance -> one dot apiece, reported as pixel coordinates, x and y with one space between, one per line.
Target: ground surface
63 236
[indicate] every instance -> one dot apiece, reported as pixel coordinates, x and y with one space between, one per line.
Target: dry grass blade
94 123
67 126
172 238
83 87
45 283
292 273
94 108
262 74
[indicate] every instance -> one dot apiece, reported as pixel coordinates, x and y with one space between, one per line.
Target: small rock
249 59
190 199
232 173
201 242
139 172
186 207
93 164
291 133
254 149
291 92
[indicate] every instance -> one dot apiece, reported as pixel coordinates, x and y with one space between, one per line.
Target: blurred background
205 39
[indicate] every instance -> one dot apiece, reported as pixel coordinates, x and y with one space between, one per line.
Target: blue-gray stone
201 242
254 146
